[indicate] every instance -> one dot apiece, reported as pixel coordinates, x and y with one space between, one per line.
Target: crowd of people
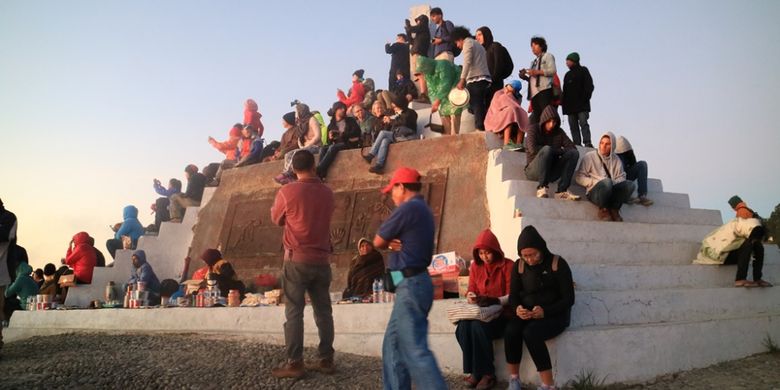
536 292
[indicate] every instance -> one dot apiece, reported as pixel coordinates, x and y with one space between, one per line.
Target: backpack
323 127
521 267
504 59
455 49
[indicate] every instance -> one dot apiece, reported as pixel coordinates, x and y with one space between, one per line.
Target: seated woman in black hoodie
343 133
541 296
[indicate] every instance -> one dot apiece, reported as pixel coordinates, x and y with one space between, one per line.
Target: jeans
314 149
741 257
533 333
478 101
179 203
381 145
611 196
539 102
405 354
113 245
161 213
327 156
549 166
638 172
476 341
579 123
298 279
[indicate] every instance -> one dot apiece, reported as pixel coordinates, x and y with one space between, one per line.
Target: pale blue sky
97 98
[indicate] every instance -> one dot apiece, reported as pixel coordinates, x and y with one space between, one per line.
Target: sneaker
470 381
645 202
282 179
633 200
289 370
541 192
378 169
566 195
324 366
514 384
369 157
487 382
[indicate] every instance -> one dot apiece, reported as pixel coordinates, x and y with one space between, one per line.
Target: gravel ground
189 361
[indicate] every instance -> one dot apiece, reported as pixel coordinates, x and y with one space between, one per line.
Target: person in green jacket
23 287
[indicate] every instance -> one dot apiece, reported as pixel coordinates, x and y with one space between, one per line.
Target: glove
487 301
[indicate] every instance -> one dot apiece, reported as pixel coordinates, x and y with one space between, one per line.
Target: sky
98 98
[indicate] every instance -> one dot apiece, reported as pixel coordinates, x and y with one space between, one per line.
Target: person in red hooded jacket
490 276
81 257
229 146
252 116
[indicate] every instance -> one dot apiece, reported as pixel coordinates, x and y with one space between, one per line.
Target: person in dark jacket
420 34
100 259
541 296
50 279
142 272
402 128
161 213
364 268
343 133
498 60
550 155
399 58
196 182
575 99
227 279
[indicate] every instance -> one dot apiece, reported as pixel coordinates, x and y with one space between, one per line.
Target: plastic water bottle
376 291
381 291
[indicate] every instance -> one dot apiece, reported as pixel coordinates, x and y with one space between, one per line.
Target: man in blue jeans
550 155
601 173
409 233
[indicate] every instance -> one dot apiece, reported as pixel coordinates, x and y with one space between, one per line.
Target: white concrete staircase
165 252
642 309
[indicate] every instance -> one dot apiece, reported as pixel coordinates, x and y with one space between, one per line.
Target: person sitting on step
541 296
161 205
490 275
130 227
289 140
196 182
635 170
356 92
506 116
143 272
309 138
230 145
550 155
736 242
364 268
81 257
402 128
602 175
365 121
17 292
343 133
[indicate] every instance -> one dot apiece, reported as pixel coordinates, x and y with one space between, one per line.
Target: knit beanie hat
211 256
359 73
734 201
289 118
622 145
574 57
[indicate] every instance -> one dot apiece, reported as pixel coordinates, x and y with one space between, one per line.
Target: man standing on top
550 155
7 239
540 78
304 208
399 58
442 42
409 233
575 99
475 75
196 182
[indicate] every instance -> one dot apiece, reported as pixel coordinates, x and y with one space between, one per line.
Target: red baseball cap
403 175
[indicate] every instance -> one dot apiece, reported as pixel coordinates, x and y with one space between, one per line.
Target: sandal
762 283
745 283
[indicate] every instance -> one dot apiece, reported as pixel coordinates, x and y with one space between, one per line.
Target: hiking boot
324 366
470 381
487 382
604 215
378 169
614 214
645 202
369 157
632 200
290 369
566 195
541 192
514 384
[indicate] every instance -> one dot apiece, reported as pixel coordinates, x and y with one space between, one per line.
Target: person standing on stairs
575 99
475 75
540 78
420 34
196 182
550 155
399 58
635 170
541 296
7 240
602 175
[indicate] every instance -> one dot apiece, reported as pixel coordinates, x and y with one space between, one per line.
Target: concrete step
525 188
530 206
599 308
617 232
601 277
625 253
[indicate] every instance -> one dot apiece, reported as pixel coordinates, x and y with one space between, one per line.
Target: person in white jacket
602 175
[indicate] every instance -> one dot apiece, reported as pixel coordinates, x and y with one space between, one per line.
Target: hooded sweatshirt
539 285
252 116
536 137
625 151
144 273
492 280
82 257
594 167
131 226
228 147
420 34
24 286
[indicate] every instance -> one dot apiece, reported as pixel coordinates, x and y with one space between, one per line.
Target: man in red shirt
304 208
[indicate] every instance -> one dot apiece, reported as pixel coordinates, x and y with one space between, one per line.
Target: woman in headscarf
364 268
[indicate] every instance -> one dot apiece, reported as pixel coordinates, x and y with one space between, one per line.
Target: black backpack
506 60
